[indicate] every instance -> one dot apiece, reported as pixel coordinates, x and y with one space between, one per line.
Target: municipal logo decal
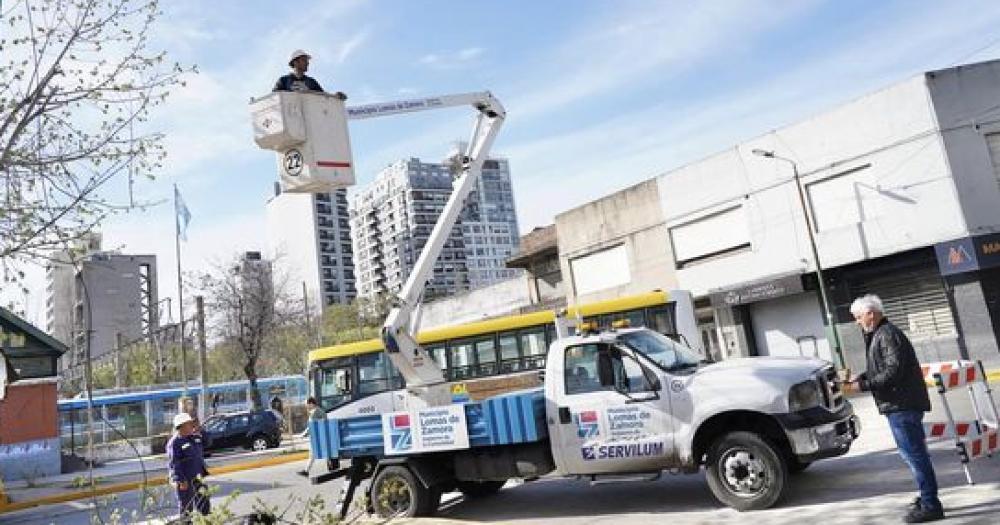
587 425
400 433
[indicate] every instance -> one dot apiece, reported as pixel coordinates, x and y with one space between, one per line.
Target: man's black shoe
923 515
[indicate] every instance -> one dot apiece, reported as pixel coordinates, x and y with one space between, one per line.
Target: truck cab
633 401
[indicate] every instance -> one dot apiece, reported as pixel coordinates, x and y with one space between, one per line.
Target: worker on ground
315 414
896 382
186 467
297 80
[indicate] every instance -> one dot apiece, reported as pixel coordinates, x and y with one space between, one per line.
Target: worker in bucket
298 80
186 466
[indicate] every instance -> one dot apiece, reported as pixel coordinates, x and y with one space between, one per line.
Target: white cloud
351 45
463 58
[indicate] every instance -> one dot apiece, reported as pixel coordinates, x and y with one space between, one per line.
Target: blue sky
600 94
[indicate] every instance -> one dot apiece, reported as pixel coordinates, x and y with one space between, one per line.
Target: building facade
104 296
309 239
392 219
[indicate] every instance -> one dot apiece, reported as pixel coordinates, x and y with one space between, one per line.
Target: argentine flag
183 215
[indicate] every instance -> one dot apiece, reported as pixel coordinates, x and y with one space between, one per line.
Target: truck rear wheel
396 492
746 472
480 489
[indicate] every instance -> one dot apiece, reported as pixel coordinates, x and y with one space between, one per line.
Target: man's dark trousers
192 500
908 431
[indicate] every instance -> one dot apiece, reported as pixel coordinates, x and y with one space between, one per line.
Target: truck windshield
660 349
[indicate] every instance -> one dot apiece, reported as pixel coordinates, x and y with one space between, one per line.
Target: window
722 232
241 421
595 367
462 360
600 270
335 385
510 358
439 356
373 373
486 357
844 199
581 369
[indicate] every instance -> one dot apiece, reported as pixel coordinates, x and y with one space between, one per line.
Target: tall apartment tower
392 219
309 237
105 294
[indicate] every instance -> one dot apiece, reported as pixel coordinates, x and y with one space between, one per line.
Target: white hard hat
297 54
182 418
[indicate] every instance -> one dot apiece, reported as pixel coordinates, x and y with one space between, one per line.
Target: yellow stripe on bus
500 324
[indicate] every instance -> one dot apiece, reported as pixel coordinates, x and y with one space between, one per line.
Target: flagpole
180 289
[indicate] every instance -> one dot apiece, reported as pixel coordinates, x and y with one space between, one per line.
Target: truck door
612 415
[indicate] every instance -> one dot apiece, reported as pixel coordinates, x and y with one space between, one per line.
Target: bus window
510 358
373 372
533 347
335 385
439 356
486 357
462 360
395 378
661 319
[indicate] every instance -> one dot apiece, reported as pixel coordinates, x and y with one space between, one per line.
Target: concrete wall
497 299
965 101
29 434
874 170
631 218
292 244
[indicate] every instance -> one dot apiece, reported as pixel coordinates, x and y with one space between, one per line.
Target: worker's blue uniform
187 465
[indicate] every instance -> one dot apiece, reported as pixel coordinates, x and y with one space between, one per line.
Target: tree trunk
255 401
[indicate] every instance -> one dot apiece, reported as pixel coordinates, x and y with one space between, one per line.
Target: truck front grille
833 397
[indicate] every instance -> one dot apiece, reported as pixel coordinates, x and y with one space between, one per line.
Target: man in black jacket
894 378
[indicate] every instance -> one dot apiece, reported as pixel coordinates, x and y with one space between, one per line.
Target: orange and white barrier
942 430
953 373
972 439
983 445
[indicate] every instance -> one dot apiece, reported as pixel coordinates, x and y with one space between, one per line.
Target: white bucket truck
616 404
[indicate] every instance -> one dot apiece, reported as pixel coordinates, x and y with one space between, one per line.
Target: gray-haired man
894 378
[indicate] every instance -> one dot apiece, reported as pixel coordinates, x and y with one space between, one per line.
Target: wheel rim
259 444
744 473
394 495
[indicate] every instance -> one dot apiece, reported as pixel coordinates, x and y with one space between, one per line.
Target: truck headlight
804 395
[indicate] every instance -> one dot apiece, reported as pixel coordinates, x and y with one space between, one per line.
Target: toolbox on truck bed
506 419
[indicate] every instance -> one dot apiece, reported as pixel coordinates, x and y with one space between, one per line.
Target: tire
746 472
396 492
480 489
259 442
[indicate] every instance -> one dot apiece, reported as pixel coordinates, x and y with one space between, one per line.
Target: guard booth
308 131
29 433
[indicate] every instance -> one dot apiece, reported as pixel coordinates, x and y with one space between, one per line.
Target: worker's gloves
340 95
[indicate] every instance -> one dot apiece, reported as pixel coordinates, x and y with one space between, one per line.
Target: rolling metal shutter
914 300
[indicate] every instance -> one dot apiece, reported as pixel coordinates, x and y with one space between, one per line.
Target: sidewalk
119 476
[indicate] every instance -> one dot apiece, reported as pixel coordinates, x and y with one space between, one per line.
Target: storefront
971 268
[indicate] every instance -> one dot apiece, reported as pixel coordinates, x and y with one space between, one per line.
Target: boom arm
421 372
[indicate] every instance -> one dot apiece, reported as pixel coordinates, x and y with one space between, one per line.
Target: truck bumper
829 435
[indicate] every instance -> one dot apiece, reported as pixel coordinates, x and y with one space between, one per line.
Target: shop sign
968 254
752 293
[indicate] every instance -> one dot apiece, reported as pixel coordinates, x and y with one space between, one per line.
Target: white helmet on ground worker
182 418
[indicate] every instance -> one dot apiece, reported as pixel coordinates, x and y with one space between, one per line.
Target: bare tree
248 304
78 81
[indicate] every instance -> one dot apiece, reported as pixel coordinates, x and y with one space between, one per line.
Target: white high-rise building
392 219
309 238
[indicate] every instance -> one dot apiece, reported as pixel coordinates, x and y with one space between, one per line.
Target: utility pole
118 360
824 296
199 305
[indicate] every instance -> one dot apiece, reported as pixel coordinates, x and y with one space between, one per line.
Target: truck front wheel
745 472
396 492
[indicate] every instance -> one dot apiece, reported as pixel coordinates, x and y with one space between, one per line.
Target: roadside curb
8 506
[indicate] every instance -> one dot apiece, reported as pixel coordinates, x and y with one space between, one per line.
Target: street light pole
824 296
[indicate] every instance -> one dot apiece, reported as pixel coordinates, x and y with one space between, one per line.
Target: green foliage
78 84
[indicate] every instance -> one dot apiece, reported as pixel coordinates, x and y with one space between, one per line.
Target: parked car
252 430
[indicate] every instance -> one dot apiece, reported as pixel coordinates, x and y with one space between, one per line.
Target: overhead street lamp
824 296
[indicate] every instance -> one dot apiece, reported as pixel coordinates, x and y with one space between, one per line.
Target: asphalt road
869 485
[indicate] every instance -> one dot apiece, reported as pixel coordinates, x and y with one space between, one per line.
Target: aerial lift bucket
308 131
